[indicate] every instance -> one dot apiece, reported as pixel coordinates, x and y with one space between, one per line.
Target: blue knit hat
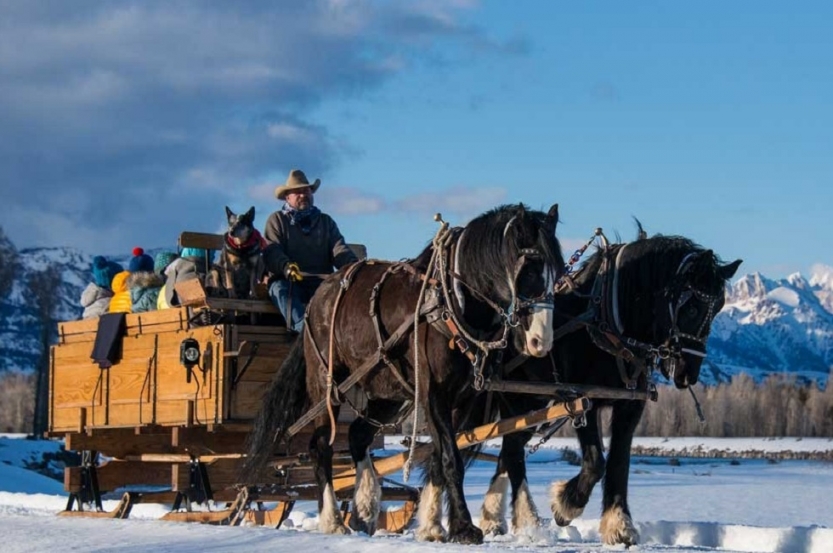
162 260
104 271
140 262
193 252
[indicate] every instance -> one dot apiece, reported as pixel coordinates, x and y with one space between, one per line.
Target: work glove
292 272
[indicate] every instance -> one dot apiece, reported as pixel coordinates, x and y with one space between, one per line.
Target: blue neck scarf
304 219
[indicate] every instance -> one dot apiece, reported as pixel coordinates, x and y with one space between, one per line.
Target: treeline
23 399
17 402
777 407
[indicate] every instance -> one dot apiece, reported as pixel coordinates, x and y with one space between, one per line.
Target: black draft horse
493 279
635 307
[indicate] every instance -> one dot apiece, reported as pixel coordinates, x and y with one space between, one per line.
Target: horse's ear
728 271
552 217
640 232
229 213
250 215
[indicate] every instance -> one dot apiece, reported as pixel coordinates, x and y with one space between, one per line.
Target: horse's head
240 227
511 255
685 309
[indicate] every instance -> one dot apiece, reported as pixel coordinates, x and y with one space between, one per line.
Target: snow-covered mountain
776 326
19 325
767 326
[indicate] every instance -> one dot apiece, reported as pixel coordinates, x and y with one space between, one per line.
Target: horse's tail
283 404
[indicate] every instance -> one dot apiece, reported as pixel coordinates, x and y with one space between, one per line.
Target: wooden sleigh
162 429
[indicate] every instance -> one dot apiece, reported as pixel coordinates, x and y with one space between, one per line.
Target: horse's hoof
493 527
467 534
432 533
562 513
358 525
616 527
335 529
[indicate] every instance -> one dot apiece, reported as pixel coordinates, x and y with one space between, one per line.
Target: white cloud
142 108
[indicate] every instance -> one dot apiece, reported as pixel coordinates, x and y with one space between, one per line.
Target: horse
474 289
631 309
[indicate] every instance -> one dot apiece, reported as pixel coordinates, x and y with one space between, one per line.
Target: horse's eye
692 311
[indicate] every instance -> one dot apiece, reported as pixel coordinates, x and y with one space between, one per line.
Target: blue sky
125 123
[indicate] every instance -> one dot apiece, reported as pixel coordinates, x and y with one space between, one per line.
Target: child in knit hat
192 263
144 282
140 262
161 263
95 299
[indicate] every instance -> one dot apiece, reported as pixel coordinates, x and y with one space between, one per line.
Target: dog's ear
249 215
229 214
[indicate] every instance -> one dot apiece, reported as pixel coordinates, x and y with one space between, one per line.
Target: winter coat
184 268
317 252
120 302
95 300
144 290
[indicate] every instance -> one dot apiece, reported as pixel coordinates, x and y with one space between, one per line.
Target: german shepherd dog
241 264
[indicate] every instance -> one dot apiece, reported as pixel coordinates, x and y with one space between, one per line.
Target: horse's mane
651 262
484 244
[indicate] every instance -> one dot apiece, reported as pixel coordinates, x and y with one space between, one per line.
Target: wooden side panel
78 389
178 401
251 371
164 320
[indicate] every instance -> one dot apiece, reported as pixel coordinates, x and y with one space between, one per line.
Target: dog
240 267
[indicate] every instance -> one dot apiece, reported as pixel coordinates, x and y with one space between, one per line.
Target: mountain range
766 326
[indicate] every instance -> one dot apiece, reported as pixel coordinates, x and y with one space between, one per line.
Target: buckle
461 344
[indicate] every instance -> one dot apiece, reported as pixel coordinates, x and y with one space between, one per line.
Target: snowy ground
701 505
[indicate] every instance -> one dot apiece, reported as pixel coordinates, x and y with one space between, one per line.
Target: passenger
161 262
95 299
301 239
120 302
144 282
192 263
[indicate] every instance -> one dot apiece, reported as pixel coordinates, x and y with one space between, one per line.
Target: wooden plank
116 474
222 473
215 242
202 240
121 442
272 517
389 465
554 390
136 323
249 306
198 440
190 292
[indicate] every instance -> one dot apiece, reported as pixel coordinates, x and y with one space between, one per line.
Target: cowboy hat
297 179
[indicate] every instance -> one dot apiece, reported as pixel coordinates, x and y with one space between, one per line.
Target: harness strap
377 327
458 340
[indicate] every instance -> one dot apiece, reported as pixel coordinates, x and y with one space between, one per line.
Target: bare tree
44 289
17 400
9 264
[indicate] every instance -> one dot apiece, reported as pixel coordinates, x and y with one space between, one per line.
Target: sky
125 123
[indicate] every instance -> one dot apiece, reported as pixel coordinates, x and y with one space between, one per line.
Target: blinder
520 305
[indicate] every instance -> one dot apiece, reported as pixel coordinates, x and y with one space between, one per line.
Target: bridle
519 304
607 331
684 293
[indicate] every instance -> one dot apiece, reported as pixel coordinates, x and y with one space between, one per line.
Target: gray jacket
95 300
